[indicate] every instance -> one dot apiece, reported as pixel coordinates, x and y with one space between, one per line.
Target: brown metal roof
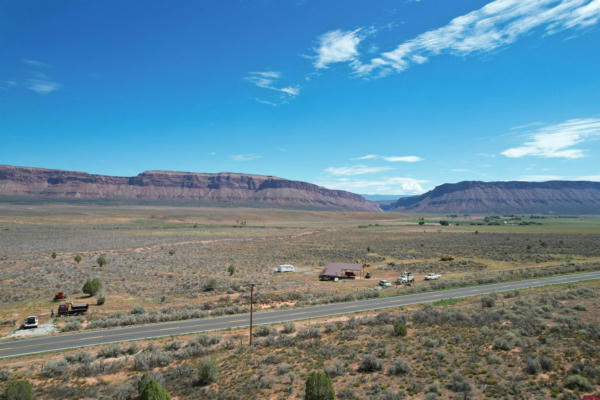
337 269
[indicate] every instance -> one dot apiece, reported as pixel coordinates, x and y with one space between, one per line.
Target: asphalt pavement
15 348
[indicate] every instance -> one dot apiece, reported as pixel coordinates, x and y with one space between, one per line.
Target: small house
340 271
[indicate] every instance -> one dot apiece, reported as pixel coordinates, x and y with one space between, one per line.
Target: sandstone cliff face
554 197
225 188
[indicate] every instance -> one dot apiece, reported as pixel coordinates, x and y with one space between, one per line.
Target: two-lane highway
98 337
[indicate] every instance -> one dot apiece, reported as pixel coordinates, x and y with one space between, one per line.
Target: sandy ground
42 329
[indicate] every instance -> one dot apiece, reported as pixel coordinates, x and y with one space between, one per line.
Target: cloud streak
266 80
246 157
355 170
34 63
42 86
395 185
557 141
497 24
408 159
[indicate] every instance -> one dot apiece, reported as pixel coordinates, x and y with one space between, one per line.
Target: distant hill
168 186
514 197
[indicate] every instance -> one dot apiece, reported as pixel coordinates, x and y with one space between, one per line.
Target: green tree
399 329
101 261
77 258
210 285
444 223
172 252
53 255
231 270
150 389
208 371
17 390
319 387
92 286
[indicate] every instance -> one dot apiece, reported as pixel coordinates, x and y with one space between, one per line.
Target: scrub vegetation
527 344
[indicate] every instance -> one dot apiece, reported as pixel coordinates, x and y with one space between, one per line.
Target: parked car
385 283
30 322
405 278
432 276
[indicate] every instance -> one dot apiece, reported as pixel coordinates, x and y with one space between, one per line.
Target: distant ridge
513 197
202 188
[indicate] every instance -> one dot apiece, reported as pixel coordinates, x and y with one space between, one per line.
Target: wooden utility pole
251 309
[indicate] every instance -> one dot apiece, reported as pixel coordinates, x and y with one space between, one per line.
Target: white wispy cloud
390 185
267 102
246 157
266 80
339 46
460 170
498 23
42 86
34 63
40 82
595 178
355 170
409 159
557 141
540 178
7 84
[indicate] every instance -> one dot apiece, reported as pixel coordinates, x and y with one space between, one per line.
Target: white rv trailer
285 268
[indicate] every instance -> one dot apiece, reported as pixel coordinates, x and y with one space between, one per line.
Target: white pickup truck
405 278
432 276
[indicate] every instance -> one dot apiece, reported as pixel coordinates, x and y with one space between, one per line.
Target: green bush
150 389
101 261
92 286
55 368
546 363
532 365
289 327
501 344
210 285
53 255
370 363
488 301
17 390
399 329
138 310
231 270
77 258
459 383
208 371
319 387
399 367
578 382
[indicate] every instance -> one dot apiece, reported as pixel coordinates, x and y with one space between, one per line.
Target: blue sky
373 97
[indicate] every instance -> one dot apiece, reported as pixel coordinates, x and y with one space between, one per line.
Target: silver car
31 322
